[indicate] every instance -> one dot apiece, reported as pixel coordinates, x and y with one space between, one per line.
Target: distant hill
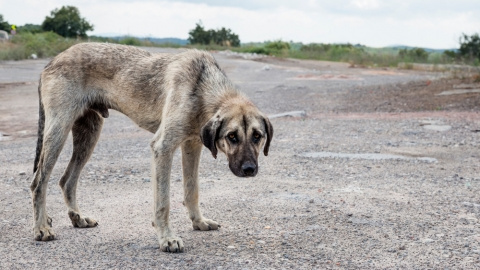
172 40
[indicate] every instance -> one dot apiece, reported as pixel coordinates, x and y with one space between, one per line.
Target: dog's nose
249 168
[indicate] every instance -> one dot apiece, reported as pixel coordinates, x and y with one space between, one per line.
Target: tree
4 25
470 46
67 22
198 35
223 36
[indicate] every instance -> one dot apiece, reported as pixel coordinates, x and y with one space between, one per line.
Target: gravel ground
381 173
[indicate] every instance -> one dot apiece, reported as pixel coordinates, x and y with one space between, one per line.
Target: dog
185 99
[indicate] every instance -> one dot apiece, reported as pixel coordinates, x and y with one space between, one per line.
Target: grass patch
24 45
356 55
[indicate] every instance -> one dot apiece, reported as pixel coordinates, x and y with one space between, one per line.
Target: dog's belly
144 117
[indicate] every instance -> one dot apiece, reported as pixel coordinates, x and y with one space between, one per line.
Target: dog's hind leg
55 134
191 151
85 133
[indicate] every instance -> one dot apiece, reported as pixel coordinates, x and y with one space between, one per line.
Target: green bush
413 55
333 52
130 41
277 48
254 49
32 28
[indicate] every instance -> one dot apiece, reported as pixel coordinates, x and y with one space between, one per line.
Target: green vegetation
67 22
222 37
470 47
65 27
30 28
357 54
23 45
4 25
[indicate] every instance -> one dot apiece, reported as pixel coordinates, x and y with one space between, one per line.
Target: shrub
413 55
278 48
130 41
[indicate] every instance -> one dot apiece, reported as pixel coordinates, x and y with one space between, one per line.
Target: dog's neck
223 100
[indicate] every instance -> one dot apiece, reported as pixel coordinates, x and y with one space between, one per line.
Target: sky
436 24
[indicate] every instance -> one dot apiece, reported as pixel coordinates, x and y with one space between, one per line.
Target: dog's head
240 131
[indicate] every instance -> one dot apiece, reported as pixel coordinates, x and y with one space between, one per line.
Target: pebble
441 128
427 240
22 173
288 114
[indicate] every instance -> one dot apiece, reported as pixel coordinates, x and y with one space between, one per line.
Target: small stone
427 240
289 114
231 247
311 201
464 221
261 242
22 173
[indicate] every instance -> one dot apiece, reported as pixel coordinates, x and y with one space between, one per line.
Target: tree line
222 36
67 22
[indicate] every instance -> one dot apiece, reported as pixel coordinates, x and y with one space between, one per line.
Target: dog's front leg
162 163
191 151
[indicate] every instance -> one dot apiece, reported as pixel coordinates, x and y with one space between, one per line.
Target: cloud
366 4
436 24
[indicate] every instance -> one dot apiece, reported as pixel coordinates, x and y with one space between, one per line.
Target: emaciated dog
185 99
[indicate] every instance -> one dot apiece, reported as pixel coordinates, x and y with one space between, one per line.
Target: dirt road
382 173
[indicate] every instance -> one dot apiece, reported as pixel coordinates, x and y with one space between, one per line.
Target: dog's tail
41 127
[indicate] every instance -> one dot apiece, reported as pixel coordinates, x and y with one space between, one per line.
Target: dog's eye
256 137
232 137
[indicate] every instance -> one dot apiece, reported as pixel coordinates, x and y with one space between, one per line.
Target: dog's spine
41 127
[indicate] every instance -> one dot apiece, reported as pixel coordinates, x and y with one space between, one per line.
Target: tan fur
185 99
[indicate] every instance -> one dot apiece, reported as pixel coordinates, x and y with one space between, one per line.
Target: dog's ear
209 134
269 130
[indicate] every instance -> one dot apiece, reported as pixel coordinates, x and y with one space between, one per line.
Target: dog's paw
205 224
173 244
44 233
80 221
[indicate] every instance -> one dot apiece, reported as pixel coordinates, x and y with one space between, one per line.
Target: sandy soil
382 173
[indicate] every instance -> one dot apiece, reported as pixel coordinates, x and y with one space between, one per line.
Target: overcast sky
375 23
